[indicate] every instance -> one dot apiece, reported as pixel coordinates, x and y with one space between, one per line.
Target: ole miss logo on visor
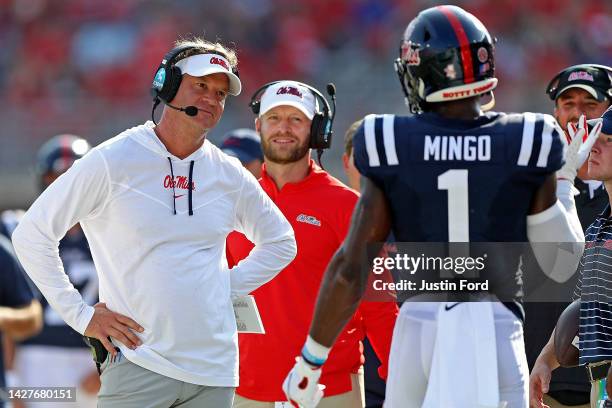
219 61
289 90
580 75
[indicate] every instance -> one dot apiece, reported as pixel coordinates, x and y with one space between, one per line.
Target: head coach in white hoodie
156 203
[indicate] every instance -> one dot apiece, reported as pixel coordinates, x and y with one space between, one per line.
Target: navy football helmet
445 54
58 154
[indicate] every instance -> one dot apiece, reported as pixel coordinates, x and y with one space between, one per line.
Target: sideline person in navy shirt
20 313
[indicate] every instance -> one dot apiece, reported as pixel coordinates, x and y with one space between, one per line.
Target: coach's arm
265 225
78 194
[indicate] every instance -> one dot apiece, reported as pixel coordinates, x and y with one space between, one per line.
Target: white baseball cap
289 93
205 64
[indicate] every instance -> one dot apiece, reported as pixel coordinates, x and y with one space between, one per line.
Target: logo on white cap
288 93
290 90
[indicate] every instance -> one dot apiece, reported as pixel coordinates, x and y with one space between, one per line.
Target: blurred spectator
104 41
65 63
348 159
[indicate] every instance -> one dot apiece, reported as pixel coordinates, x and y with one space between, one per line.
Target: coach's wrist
314 353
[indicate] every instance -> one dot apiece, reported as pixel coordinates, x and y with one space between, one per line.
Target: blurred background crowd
85 66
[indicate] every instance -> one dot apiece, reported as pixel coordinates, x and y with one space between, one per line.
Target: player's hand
106 323
579 142
539 380
302 386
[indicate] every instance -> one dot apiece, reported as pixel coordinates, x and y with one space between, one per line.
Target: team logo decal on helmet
410 53
450 71
483 55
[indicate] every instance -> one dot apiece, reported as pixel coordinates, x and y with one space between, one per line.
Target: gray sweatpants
127 385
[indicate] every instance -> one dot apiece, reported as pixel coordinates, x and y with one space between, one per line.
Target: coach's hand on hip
106 323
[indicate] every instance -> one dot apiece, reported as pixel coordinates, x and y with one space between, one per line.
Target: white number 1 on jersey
456 182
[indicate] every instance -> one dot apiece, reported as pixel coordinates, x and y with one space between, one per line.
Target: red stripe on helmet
464 44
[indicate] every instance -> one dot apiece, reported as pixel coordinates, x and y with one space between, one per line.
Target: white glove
579 142
302 385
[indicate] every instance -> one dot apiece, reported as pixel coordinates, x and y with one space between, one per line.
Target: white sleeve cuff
546 215
84 318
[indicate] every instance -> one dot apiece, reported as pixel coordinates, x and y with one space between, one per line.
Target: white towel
464 367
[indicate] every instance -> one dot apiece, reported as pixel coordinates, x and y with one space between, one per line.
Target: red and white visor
206 64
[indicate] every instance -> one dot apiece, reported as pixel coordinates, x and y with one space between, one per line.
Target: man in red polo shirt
319 208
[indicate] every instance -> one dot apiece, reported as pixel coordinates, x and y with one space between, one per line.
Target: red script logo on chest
179 182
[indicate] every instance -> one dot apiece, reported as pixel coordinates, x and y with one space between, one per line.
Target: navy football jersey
9 220
451 180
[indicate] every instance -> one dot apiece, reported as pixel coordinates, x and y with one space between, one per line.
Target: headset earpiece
255 102
175 78
320 138
255 105
168 78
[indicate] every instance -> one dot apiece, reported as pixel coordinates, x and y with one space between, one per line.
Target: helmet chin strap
489 105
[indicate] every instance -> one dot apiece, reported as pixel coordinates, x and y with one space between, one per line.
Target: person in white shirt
156 203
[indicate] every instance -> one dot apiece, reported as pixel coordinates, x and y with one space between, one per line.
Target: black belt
597 371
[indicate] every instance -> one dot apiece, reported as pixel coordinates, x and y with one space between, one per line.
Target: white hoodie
166 271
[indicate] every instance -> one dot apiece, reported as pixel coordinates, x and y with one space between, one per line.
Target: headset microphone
331 90
189 110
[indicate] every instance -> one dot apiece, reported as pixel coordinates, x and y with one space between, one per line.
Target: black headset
168 77
321 127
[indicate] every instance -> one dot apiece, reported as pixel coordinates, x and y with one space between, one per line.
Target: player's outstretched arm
344 281
340 294
550 222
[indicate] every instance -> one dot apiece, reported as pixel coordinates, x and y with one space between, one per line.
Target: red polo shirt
319 208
